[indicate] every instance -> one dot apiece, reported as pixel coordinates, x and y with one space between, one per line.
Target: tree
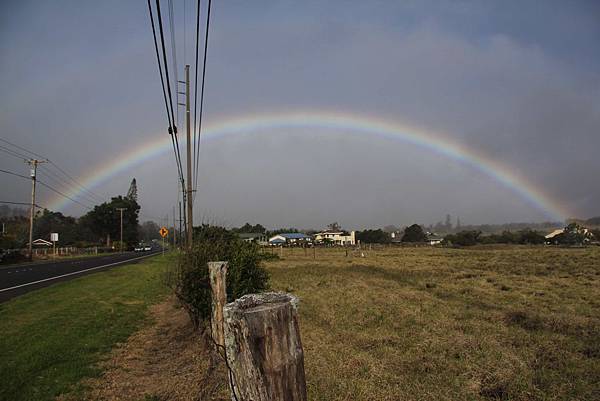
55 222
373 236
464 238
414 233
104 220
132 193
249 228
148 231
333 227
448 224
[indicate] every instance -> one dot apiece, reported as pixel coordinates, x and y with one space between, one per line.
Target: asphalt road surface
20 279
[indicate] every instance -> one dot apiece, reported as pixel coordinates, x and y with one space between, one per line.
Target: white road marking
78 272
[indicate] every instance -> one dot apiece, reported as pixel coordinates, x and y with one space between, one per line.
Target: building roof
40 241
555 233
294 235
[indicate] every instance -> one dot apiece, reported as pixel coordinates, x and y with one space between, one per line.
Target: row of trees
99 226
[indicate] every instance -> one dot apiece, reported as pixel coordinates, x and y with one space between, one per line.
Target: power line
12 153
47 186
63 195
202 95
22 148
196 81
77 183
62 171
170 115
57 180
174 56
21 203
15 174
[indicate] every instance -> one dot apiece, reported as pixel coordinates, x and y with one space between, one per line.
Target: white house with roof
336 237
290 239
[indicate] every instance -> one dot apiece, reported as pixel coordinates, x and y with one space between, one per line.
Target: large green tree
104 220
414 233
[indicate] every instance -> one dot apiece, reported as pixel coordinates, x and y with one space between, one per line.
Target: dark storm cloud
517 82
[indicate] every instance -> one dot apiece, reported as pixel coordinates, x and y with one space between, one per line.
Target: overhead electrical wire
65 186
174 57
88 194
166 89
15 174
77 183
22 203
13 153
42 183
202 93
196 84
22 148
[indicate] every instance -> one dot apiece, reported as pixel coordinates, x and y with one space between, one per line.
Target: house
336 237
555 233
41 242
290 239
259 238
434 240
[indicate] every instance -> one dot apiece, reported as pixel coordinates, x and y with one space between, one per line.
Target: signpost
54 239
163 233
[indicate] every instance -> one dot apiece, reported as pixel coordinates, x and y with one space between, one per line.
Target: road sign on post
163 233
54 239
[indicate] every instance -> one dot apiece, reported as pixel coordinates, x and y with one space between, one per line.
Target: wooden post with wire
263 348
217 272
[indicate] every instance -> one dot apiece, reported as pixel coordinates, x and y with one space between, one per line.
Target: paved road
20 279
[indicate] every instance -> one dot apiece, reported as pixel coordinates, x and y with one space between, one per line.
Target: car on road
142 247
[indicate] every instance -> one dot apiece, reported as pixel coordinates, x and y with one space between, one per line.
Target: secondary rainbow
336 122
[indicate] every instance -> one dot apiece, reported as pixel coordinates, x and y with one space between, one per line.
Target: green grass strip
52 338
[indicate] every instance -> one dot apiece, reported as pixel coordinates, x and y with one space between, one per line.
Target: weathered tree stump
263 347
217 272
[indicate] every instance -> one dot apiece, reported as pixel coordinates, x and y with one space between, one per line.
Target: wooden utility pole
190 215
120 209
217 272
33 163
174 230
263 348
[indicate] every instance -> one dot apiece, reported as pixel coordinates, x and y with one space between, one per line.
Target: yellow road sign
163 232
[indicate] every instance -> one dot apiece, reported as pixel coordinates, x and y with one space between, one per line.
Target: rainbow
350 124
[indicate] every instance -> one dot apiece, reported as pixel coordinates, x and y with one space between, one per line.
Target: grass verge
52 338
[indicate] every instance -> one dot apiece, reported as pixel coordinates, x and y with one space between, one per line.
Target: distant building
336 237
259 238
41 242
290 239
435 240
555 233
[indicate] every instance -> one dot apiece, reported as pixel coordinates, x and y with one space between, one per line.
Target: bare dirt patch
167 360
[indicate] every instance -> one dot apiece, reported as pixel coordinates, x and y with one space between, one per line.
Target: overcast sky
517 81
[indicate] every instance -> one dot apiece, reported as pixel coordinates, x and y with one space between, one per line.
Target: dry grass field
514 323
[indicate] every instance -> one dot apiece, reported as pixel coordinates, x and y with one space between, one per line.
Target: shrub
189 278
463 238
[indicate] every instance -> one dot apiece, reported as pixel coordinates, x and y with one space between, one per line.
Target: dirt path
167 360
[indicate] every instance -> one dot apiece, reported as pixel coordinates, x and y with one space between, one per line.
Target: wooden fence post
263 347
217 272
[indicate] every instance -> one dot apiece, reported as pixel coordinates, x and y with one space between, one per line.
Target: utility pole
190 216
174 230
180 237
33 163
120 209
